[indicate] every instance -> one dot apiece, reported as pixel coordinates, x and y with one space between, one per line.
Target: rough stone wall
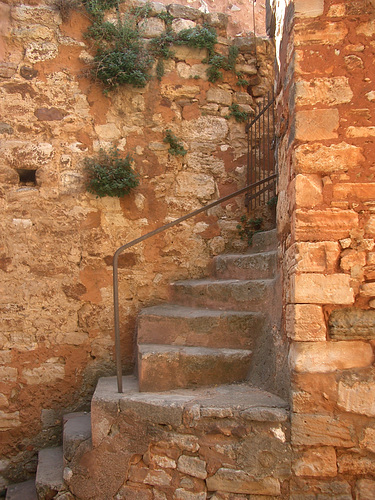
57 241
326 223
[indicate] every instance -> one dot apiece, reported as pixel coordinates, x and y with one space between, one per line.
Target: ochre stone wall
57 241
326 224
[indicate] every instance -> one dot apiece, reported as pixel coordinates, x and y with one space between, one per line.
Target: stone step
264 241
22 491
77 429
179 325
49 476
162 367
239 295
246 266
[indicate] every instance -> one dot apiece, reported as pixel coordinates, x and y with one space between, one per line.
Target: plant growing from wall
249 227
176 147
109 174
238 115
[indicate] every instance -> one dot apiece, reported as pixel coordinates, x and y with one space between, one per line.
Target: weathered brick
319 158
311 288
330 91
329 356
321 430
352 324
317 124
319 461
305 322
324 225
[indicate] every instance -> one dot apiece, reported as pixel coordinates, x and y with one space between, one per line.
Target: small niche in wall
27 176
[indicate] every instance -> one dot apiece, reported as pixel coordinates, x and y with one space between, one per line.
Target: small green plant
166 17
110 174
175 146
272 202
249 227
238 115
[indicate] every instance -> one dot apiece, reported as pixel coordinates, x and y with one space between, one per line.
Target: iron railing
261 165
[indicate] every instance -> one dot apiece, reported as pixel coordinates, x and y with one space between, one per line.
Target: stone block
309 190
357 396
152 27
355 132
305 322
320 257
365 489
181 494
356 464
193 466
321 430
319 33
216 19
316 124
219 96
368 441
367 290
47 373
318 158
354 191
201 184
311 288
7 69
319 461
324 225
314 357
314 392
184 12
41 51
182 24
308 8
206 129
187 71
9 420
8 374
158 477
179 91
352 324
330 91
328 489
237 481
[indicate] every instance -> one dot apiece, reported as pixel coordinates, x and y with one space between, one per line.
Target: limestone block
357 397
352 324
367 28
182 24
319 32
108 132
164 462
368 440
311 488
309 191
185 442
7 69
22 154
9 420
308 8
46 16
237 481
203 186
368 290
152 27
314 392
355 132
330 91
33 33
365 489
360 191
324 225
181 494
47 373
320 257
247 69
318 158
355 464
319 461
219 96
179 91
317 124
184 12
184 53
158 477
305 322
205 129
8 374
312 288
41 51
186 71
216 19
193 466
315 357
243 98
321 430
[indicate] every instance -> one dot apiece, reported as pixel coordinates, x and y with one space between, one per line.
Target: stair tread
49 476
176 310
188 350
218 281
239 397
22 491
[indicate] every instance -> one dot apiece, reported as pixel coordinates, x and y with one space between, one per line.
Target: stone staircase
191 425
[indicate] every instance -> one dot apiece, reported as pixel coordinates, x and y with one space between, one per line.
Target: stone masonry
325 53
57 241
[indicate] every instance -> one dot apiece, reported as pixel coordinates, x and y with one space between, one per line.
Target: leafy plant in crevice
248 227
238 115
109 174
176 147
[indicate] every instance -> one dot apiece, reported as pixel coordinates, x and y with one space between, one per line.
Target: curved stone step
246 266
239 295
164 367
264 241
179 325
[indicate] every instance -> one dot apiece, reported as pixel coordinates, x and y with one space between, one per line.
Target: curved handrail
149 235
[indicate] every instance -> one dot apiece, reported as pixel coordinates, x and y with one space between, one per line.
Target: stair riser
264 241
231 332
176 370
245 267
238 296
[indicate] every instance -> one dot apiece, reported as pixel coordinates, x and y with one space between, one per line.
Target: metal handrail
145 237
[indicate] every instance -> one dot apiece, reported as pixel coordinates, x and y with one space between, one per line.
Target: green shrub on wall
110 175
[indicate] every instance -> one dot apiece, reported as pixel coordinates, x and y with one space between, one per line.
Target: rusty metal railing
146 236
261 163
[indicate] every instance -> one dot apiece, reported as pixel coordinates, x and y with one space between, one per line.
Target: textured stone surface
323 289
314 158
315 462
352 324
305 322
315 125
